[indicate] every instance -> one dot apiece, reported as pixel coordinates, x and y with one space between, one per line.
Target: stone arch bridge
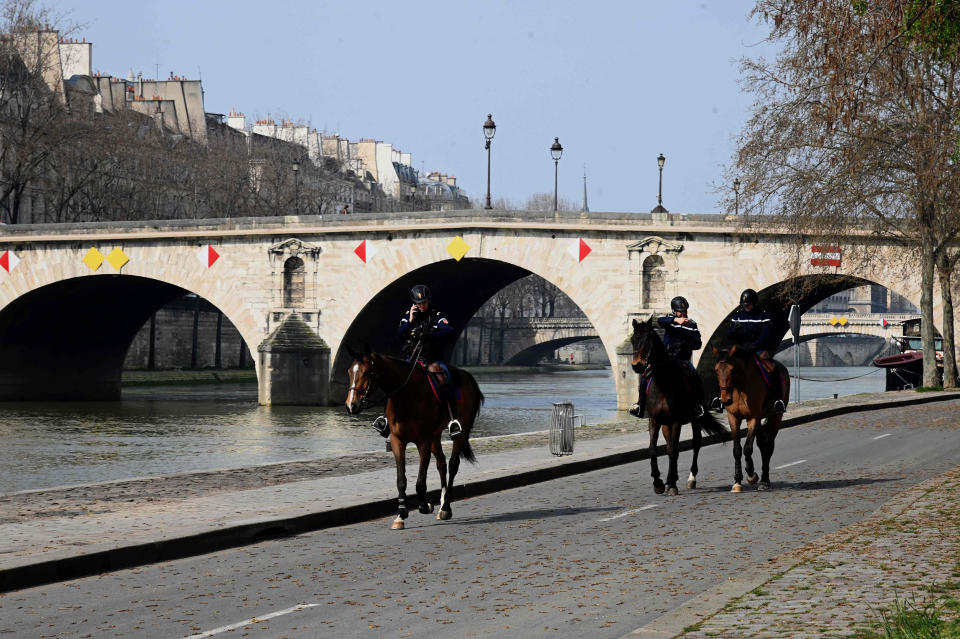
299 289
527 340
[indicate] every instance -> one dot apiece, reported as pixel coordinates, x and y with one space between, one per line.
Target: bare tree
854 126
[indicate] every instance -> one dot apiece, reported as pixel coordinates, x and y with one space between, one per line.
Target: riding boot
381 426
776 383
641 404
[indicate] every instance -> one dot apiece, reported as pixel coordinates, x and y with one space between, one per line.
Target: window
654 282
293 282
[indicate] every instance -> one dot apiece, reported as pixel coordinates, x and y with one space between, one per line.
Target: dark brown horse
747 396
415 415
671 397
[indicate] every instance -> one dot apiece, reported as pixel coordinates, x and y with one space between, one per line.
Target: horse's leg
766 441
654 468
446 511
692 480
422 504
442 469
737 451
671 433
753 426
400 456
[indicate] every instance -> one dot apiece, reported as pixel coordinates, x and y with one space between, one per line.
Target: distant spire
585 208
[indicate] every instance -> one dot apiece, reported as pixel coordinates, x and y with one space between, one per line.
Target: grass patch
928 389
909 620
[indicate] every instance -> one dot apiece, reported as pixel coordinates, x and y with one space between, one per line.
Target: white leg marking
882 436
443 496
629 512
692 477
799 461
217 631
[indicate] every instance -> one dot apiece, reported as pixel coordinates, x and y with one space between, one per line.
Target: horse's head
725 370
643 341
361 376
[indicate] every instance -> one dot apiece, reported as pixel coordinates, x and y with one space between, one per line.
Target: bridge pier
294 366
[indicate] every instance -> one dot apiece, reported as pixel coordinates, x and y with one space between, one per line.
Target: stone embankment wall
844 351
173 339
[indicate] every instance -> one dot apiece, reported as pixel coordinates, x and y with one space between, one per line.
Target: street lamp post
736 195
555 152
489 129
660 162
296 186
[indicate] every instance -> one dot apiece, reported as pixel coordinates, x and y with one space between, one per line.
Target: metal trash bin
561 429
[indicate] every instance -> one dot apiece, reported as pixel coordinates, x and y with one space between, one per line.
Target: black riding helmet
749 296
679 304
420 294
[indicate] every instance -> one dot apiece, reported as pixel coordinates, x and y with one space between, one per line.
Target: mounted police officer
423 330
681 337
750 328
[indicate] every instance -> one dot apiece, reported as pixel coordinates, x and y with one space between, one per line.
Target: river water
170 429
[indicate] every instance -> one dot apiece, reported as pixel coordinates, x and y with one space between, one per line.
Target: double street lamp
660 162
489 129
555 152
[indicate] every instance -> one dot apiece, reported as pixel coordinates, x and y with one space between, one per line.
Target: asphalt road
597 554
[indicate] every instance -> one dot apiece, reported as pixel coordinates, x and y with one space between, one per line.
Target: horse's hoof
444 515
672 491
397 524
426 509
736 488
691 484
658 488
764 485
752 479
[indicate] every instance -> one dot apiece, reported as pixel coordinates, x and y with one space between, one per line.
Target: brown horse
415 415
671 395
747 396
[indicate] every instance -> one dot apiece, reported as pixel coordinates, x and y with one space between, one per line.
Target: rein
415 358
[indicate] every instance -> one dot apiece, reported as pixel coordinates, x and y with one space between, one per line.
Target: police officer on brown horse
424 330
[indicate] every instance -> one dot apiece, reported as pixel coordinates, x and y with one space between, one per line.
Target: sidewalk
57 534
908 550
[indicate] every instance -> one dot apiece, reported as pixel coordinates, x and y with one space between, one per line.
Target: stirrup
455 428
381 426
634 410
779 407
699 411
716 405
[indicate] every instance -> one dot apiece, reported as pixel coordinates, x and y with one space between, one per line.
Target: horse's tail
709 423
466 451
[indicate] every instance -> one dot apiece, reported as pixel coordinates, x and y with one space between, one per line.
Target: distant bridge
814 325
526 340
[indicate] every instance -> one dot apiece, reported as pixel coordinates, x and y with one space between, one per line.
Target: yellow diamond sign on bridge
93 258
458 248
117 258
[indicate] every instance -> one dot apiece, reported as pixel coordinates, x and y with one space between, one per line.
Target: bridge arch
532 355
65 334
459 289
776 298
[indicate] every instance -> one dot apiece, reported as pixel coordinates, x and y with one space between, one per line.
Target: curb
60 569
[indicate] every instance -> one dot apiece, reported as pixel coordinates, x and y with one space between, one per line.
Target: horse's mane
645 331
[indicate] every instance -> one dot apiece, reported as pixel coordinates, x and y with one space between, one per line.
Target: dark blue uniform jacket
431 328
680 340
751 330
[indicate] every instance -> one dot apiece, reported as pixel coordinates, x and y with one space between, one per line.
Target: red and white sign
9 260
824 255
207 255
365 251
884 322
579 249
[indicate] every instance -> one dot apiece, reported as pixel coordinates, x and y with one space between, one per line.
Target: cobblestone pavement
908 550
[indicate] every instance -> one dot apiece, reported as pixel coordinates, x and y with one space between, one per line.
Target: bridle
372 384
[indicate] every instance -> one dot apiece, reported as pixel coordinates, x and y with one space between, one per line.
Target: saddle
433 372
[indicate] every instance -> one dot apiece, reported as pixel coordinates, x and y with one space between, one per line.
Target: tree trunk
927 264
945 271
480 343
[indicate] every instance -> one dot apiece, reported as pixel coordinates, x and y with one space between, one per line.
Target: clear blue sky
617 82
